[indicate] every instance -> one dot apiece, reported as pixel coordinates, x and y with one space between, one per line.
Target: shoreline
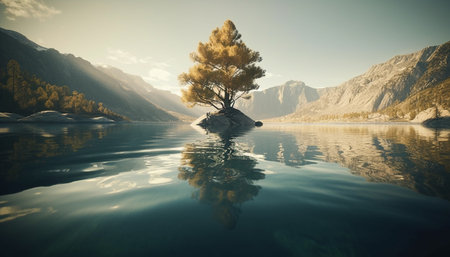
51 117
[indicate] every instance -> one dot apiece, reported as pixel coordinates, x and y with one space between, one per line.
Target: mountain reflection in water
144 189
223 174
33 155
411 156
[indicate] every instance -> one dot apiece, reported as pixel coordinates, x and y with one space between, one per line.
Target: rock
443 122
53 117
101 119
430 113
377 117
48 116
80 118
9 117
223 120
258 123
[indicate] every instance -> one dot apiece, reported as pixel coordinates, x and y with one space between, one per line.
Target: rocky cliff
277 101
382 85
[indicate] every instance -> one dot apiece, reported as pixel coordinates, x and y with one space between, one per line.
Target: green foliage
25 94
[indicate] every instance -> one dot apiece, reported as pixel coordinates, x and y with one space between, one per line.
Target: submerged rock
224 120
9 117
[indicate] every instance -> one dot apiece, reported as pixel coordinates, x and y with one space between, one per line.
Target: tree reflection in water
223 174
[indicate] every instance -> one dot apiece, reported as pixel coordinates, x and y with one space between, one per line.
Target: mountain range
383 85
398 89
80 75
163 98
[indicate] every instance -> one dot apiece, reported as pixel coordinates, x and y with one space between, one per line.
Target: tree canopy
224 70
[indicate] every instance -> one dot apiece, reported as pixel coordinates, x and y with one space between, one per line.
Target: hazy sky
322 43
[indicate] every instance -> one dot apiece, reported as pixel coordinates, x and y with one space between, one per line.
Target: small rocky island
225 119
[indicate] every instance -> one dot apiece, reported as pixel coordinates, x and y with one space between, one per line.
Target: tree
224 71
13 69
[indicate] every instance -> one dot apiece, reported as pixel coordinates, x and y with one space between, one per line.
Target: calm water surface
279 190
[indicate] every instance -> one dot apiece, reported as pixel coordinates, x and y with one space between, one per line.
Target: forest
25 94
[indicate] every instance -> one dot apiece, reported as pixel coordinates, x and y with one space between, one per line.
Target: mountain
162 98
78 74
426 104
381 86
277 101
22 39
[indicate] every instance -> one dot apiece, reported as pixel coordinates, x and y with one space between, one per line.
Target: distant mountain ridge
162 98
277 101
78 74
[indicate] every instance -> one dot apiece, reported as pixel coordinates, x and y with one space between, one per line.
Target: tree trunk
227 101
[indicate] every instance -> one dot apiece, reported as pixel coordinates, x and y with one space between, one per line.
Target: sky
322 43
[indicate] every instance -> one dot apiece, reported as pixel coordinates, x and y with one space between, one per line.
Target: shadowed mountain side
392 154
162 98
277 101
78 74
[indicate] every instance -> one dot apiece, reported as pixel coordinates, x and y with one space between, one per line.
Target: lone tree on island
224 71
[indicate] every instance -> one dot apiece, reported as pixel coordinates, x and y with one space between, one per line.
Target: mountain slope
79 75
277 101
382 85
162 98
436 98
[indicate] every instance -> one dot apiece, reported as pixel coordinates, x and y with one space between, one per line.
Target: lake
170 190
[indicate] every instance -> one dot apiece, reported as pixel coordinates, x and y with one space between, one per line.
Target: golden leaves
224 66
